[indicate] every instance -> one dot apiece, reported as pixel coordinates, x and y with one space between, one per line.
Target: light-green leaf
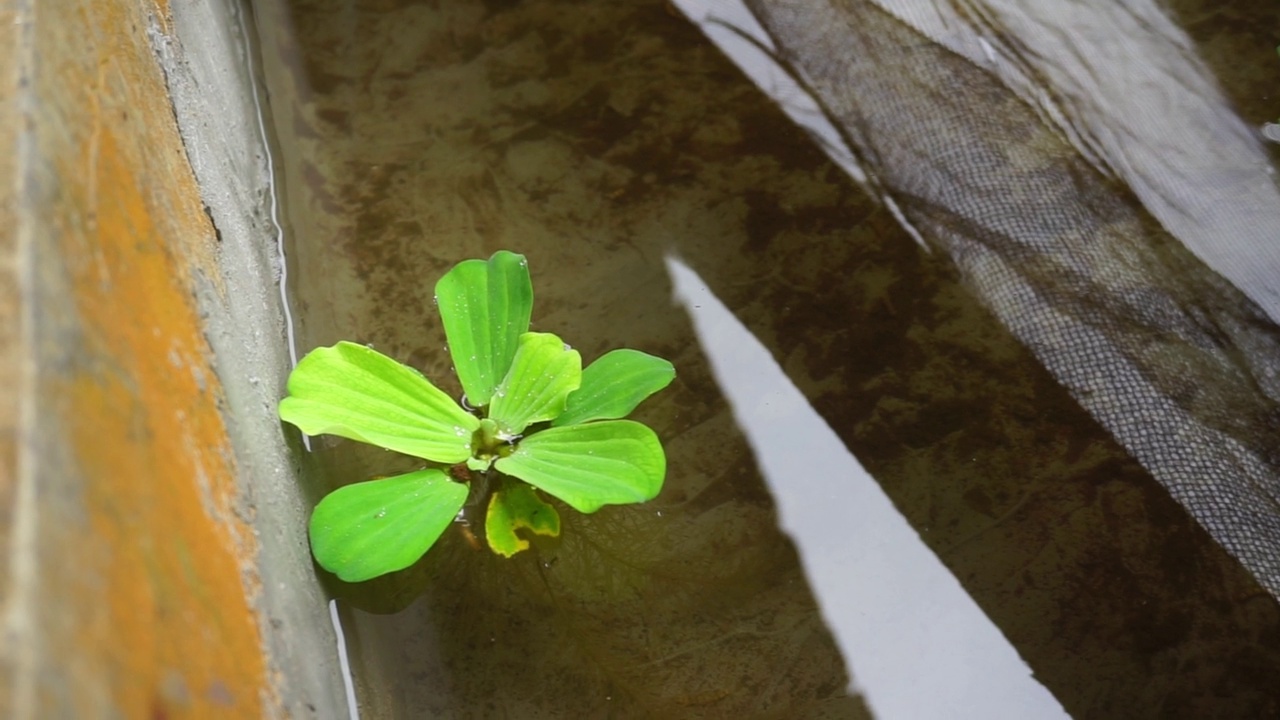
614 385
373 528
513 507
355 392
611 462
542 375
485 307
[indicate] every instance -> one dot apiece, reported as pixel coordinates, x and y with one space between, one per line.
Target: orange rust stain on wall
157 579
171 625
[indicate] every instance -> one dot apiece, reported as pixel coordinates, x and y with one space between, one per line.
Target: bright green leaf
513 507
485 307
614 385
355 392
603 463
542 375
372 528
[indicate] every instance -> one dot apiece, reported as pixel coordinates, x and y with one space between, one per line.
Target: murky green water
604 140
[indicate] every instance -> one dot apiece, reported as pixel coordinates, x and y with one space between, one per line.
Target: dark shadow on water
597 139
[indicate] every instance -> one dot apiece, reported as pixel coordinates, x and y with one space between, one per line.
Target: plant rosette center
488 443
581 452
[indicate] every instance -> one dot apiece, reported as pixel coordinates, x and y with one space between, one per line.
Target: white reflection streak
916 644
344 663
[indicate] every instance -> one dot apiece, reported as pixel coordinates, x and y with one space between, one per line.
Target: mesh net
1091 185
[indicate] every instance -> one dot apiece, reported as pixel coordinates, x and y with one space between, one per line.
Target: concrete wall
153 560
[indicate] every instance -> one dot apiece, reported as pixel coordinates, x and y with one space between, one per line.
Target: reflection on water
900 618
600 139
344 662
1100 195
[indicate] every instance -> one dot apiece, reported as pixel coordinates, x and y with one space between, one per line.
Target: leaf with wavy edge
485 307
614 385
611 462
373 528
356 392
542 375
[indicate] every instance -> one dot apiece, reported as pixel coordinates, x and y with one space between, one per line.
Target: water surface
1012 554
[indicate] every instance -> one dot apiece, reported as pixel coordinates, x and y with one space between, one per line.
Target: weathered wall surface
144 492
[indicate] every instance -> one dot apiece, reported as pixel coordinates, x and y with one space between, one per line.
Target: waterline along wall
149 560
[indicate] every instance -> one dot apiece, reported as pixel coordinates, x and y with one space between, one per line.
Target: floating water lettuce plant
531 417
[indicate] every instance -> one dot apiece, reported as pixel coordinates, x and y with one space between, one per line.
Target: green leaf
544 372
614 385
372 528
513 507
485 307
355 392
611 462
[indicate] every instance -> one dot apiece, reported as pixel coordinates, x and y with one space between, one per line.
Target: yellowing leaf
513 507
